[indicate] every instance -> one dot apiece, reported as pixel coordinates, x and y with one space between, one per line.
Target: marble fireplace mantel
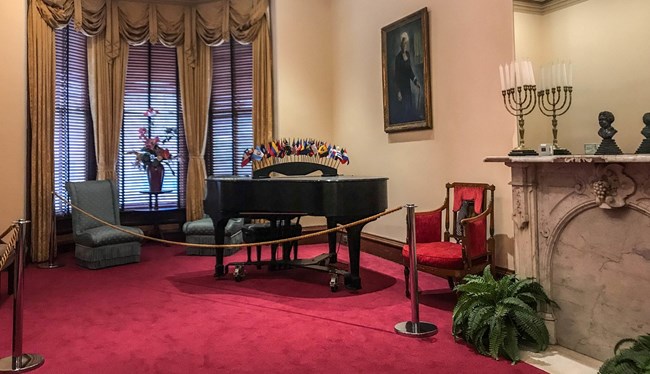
582 228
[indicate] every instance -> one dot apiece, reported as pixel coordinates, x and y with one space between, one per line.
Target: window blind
231 109
74 152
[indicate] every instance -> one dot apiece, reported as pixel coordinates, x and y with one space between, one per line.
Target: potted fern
496 316
634 359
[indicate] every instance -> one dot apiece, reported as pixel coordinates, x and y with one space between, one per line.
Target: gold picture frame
405 73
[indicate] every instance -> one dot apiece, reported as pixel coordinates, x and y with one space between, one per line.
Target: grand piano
341 199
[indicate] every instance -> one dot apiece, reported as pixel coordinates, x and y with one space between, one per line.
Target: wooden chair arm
466 221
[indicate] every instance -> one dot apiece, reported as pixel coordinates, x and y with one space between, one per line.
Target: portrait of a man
406 73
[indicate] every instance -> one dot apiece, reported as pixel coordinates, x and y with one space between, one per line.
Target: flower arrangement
152 153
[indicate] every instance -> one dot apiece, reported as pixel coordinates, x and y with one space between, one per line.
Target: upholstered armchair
97 245
466 246
201 231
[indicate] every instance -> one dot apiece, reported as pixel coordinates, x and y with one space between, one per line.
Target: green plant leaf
478 319
532 329
487 274
497 332
510 345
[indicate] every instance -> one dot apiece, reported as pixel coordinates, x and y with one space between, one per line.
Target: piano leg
219 233
331 240
352 279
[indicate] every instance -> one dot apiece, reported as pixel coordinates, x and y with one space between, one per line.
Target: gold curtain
106 78
196 84
111 25
41 65
262 86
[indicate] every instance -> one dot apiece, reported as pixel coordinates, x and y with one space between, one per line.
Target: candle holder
549 105
520 101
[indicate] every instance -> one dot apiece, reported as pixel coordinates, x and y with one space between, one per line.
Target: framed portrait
405 70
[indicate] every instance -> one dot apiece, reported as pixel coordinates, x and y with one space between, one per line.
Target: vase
155 174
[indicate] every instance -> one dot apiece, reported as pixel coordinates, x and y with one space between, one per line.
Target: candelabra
520 101
549 105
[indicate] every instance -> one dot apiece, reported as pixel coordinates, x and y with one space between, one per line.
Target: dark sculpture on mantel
644 148
608 145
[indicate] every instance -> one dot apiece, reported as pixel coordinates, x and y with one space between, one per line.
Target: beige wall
469 39
13 106
302 68
607 43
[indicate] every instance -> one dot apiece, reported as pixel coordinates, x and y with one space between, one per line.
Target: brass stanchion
18 361
414 327
51 260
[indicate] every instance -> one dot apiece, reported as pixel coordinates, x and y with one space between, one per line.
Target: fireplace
582 228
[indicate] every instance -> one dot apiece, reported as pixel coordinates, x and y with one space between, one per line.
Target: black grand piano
341 199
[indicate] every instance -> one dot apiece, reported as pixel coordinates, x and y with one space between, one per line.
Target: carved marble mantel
571 207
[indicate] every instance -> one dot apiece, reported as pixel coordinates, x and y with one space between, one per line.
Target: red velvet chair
467 246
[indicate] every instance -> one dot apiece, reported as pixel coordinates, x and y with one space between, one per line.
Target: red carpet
168 314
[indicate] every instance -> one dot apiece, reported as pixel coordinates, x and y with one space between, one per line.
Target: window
151 82
74 152
231 109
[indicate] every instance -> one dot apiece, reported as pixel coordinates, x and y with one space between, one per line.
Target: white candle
570 76
503 83
507 76
517 74
525 72
564 75
532 73
512 75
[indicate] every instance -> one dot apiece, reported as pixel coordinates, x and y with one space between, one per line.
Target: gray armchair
201 231
97 245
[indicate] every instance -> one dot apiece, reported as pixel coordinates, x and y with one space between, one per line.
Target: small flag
257 154
247 157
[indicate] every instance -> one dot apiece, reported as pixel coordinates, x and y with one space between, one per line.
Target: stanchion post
51 258
414 327
19 362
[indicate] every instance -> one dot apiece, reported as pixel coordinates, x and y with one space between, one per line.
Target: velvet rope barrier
19 361
231 245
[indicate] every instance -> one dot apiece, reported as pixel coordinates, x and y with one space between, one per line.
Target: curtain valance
170 24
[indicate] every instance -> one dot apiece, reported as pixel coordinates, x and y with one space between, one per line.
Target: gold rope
12 233
239 245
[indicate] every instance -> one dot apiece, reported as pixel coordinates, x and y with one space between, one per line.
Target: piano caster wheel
334 284
239 273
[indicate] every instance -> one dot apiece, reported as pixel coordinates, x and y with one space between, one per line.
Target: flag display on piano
297 150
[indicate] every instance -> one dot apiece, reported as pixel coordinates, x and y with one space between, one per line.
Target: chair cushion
98 198
469 193
104 235
477 245
428 226
204 226
260 232
199 227
441 254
